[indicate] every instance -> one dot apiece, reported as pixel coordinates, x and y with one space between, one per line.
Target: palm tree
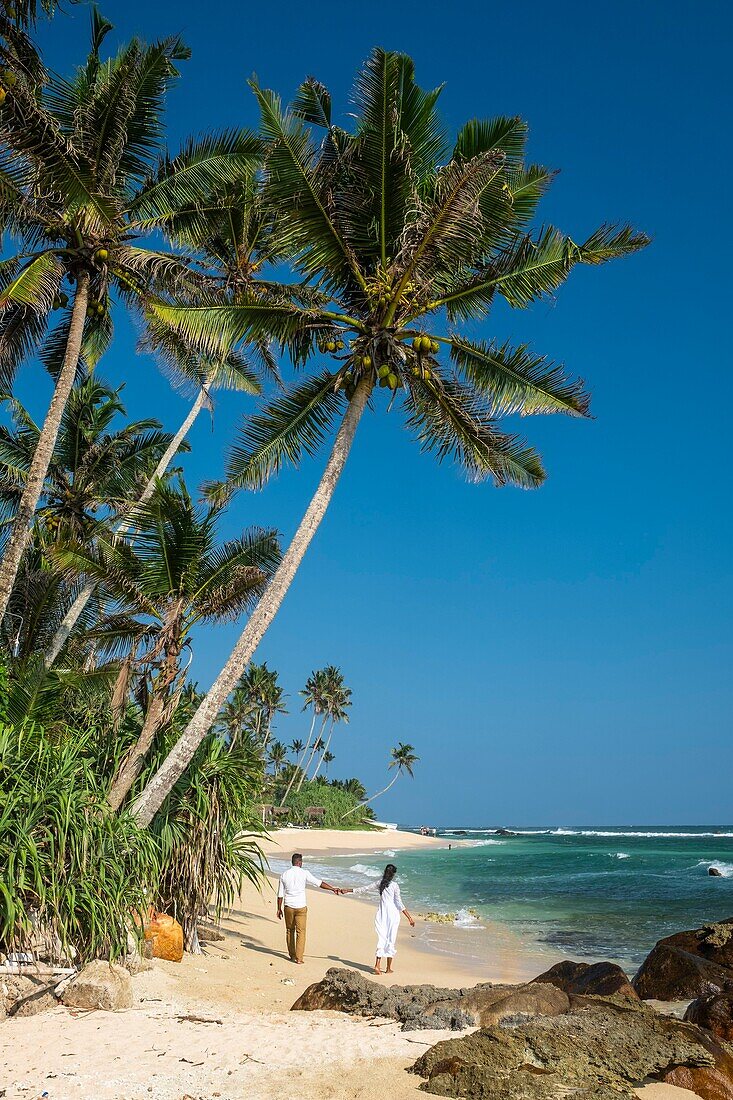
277 755
296 747
328 758
314 696
403 759
97 466
232 240
174 573
407 241
338 702
86 186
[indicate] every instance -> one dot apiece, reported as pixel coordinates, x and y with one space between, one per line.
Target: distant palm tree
296 747
314 696
338 702
406 240
175 574
328 758
88 189
277 756
403 759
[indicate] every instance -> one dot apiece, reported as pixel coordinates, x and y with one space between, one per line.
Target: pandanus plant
86 187
409 240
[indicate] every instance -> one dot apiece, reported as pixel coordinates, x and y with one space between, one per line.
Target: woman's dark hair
389 873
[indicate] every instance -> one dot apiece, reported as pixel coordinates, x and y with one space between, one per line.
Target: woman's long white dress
387 919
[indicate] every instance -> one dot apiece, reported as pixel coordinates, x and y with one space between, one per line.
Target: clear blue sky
561 656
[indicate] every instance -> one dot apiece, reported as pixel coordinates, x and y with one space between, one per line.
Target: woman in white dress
387 920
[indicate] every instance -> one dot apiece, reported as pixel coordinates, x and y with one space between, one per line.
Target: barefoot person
291 899
387 920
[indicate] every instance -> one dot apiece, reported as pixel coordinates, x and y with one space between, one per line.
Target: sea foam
369 872
726 869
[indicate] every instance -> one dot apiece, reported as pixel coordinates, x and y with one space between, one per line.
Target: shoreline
219 1025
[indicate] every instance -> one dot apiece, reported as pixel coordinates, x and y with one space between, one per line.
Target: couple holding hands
291 904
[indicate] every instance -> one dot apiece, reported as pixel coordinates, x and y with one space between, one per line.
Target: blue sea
583 893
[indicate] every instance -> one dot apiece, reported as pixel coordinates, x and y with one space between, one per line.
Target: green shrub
69 869
335 801
205 829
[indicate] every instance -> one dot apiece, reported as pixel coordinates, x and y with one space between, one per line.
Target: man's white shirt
292 886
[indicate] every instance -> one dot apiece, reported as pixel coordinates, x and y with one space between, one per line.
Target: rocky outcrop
711 1082
26 994
100 984
426 1006
715 1013
599 1050
695 963
601 979
714 872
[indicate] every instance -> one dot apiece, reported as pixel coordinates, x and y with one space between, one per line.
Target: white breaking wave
726 869
369 872
387 852
480 843
466 919
619 855
615 832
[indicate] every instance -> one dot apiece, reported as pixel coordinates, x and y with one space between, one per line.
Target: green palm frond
305 226
234 575
212 329
203 167
293 424
35 285
449 420
516 381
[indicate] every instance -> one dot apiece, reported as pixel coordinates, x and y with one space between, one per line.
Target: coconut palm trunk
314 749
298 769
72 615
129 770
325 750
379 794
158 788
46 442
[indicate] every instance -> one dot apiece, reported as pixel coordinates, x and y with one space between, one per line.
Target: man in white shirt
291 898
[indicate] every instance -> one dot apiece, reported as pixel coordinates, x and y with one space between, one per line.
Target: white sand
258 1050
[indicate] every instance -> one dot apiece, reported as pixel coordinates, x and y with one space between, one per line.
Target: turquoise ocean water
587 893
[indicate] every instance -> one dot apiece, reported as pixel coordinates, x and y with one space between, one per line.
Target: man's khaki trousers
295 921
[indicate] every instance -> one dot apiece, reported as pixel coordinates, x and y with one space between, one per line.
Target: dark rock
602 979
715 872
425 1006
504 832
27 995
669 973
599 1050
711 1082
100 984
715 1013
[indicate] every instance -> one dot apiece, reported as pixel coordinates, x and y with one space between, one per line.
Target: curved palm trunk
71 617
129 770
180 756
314 750
368 800
299 764
44 448
325 750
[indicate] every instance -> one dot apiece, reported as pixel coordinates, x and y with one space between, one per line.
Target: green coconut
101 255
383 383
366 361
392 381
383 371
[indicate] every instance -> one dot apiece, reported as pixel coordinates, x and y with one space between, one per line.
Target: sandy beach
219 1025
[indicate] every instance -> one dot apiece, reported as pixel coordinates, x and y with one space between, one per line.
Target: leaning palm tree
232 240
338 704
174 573
410 242
404 760
86 188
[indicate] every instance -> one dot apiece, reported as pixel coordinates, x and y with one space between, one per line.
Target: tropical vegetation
320 271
